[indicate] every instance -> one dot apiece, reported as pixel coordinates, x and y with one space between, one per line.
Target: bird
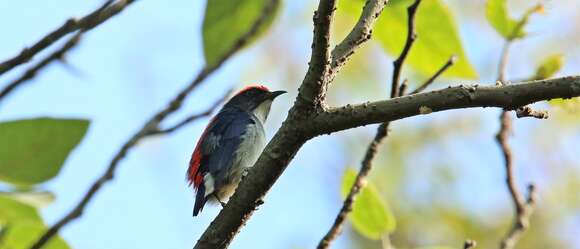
229 145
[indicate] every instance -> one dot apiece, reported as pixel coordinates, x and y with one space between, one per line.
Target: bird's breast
251 146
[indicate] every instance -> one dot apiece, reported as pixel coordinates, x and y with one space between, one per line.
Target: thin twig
523 208
371 151
95 18
403 87
30 73
152 125
191 118
502 138
358 184
411 37
441 70
522 220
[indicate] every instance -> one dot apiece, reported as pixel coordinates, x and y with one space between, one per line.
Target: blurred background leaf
370 215
499 18
497 15
33 150
225 21
549 66
22 225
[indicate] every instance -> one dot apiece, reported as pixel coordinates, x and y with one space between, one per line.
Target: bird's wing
216 148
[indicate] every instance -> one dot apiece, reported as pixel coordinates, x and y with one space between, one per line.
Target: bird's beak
275 94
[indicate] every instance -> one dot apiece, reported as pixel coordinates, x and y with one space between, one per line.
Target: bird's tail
199 200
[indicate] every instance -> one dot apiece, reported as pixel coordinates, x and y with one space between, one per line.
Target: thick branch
313 89
251 191
151 126
465 96
30 73
358 35
89 21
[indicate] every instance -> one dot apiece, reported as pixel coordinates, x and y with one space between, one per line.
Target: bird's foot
220 201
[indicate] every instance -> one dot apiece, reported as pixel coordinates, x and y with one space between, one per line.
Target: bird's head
255 99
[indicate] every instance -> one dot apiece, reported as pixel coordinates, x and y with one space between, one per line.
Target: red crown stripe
261 87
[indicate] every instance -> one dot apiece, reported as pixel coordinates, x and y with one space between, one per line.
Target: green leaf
497 15
21 226
549 67
509 28
12 210
227 21
437 35
370 216
34 150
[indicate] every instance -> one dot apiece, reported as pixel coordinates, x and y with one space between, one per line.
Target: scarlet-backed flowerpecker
229 145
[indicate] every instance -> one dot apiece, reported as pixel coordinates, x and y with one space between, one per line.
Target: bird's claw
219 200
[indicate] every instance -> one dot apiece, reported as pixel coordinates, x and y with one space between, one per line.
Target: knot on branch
527 111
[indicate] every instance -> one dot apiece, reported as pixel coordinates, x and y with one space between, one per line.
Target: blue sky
128 68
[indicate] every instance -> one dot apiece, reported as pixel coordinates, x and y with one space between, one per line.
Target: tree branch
503 60
464 96
150 127
522 220
30 73
411 37
381 134
522 208
312 92
361 33
191 118
359 183
88 22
